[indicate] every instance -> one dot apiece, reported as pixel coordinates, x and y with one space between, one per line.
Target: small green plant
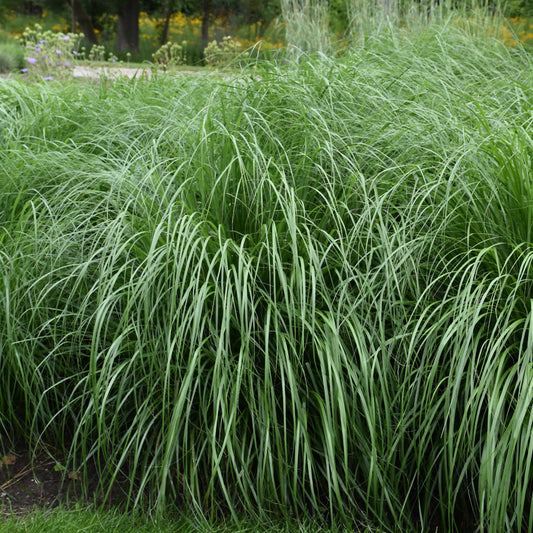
220 54
98 53
58 467
169 55
49 54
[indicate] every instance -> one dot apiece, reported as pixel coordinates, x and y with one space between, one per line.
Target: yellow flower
178 19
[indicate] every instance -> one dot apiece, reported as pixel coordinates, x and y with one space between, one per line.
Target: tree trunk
164 33
264 27
81 19
206 15
128 25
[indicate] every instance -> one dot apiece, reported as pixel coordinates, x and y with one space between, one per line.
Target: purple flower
37 49
43 41
66 38
74 52
58 64
32 60
48 78
25 70
67 64
58 52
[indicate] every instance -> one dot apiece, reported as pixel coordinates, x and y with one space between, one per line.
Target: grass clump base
305 293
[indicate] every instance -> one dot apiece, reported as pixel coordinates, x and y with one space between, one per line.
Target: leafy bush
11 57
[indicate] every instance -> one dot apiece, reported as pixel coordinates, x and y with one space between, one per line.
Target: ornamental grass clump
305 293
49 54
306 27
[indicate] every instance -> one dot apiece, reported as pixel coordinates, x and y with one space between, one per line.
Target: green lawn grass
303 292
89 520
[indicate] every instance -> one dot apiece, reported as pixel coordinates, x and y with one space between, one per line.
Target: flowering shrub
168 55
48 54
222 53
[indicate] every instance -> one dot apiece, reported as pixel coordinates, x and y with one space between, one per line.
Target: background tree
169 7
210 8
128 25
207 6
244 12
85 14
30 7
166 9
82 20
263 12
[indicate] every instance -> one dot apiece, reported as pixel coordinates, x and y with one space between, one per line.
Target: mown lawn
92 521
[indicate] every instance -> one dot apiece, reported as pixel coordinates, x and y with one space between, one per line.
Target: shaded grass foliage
90 520
308 292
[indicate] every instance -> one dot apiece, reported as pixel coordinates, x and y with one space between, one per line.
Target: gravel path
110 72
114 73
